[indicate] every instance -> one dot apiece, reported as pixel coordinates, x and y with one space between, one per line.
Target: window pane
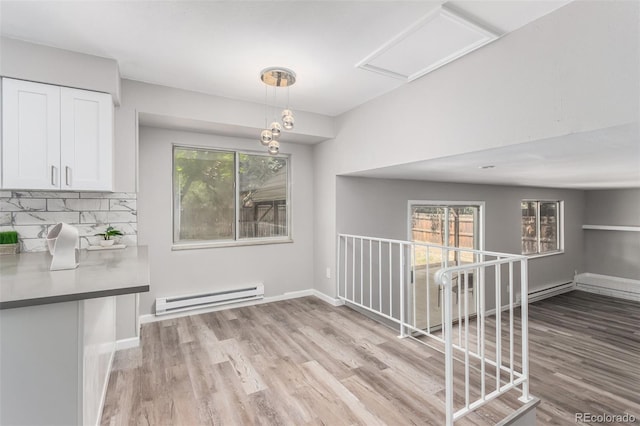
204 194
462 223
427 226
548 226
529 227
263 196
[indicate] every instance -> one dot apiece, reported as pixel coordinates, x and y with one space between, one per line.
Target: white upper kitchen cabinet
86 129
30 135
56 138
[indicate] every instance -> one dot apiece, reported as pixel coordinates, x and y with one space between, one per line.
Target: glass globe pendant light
265 137
287 119
276 77
274 147
276 129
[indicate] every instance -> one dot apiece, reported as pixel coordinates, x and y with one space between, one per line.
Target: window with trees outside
222 196
541 227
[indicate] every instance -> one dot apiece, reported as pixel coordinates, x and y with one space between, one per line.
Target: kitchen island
57 333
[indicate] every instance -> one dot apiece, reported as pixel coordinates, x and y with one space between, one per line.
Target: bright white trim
549 290
328 299
612 228
230 243
538 294
439 203
236 241
286 296
491 312
547 254
559 228
624 288
487 36
132 342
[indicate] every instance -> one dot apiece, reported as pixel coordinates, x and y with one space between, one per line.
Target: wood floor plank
231 401
282 378
303 362
338 390
242 366
382 407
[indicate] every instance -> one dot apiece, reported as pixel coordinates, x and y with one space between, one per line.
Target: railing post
346 262
401 274
524 312
337 274
448 348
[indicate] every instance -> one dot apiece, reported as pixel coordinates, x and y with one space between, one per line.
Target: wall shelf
612 228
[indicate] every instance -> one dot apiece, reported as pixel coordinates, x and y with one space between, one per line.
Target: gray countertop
25 279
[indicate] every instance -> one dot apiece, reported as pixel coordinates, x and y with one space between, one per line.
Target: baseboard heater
551 291
168 305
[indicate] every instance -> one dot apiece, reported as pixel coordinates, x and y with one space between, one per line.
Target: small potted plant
8 242
107 236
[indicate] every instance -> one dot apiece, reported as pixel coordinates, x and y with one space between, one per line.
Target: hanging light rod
278 77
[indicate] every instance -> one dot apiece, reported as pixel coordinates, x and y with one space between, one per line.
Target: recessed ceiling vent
440 37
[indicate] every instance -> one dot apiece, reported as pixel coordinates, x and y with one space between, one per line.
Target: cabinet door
30 135
86 140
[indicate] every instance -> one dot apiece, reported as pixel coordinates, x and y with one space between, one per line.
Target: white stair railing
396 280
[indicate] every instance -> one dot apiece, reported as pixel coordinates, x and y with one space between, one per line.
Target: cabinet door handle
67 175
53 175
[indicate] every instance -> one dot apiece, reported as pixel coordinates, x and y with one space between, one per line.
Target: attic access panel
435 40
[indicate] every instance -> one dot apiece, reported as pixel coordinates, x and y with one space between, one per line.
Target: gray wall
282 268
187 110
45 64
615 253
378 207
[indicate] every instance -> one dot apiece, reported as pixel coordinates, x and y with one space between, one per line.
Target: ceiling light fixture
276 77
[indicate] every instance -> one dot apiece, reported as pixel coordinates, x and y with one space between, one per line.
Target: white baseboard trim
491 312
286 296
328 299
607 285
132 342
549 290
538 294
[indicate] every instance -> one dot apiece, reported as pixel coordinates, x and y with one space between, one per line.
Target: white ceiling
220 47
605 158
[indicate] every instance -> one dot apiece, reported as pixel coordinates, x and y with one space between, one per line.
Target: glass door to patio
450 225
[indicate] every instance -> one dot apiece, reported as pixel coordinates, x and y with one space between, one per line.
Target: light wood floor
305 362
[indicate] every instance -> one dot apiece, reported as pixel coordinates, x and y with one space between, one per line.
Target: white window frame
446 204
237 241
559 231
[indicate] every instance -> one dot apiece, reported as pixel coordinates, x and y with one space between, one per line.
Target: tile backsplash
33 213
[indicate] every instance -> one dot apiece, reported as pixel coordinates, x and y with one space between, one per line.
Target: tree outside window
207 206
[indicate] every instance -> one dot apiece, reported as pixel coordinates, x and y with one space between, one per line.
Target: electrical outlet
328 273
